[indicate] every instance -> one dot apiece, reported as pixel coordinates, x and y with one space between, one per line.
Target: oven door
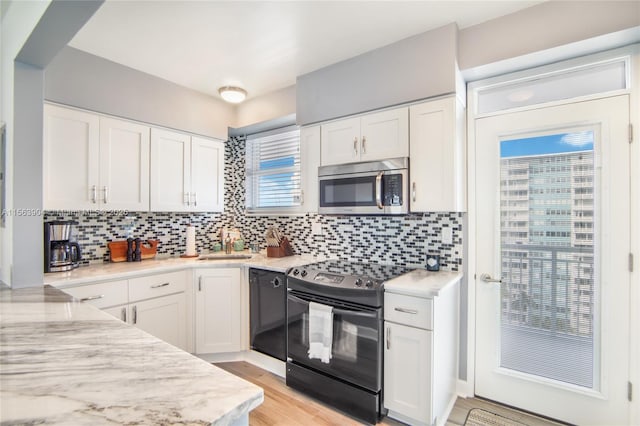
357 340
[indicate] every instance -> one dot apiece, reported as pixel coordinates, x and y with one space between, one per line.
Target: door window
547 221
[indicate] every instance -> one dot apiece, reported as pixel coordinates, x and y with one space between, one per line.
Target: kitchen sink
224 256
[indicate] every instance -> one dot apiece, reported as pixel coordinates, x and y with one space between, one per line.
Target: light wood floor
285 406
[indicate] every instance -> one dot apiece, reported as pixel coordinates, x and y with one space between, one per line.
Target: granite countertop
64 362
422 283
123 270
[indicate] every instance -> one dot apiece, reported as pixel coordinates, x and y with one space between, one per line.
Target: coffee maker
60 254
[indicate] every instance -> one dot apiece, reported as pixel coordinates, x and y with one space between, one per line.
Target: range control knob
358 282
303 273
296 272
369 284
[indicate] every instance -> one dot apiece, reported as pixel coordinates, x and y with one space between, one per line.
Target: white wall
18 22
272 105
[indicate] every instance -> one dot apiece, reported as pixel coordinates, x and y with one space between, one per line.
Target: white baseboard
258 359
266 362
465 389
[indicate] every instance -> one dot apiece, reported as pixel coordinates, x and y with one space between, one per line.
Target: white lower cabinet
164 318
156 304
421 356
218 310
407 365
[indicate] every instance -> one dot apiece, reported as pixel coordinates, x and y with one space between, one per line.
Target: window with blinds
549 312
273 171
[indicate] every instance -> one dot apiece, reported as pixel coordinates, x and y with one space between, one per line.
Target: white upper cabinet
207 174
437 156
339 142
384 135
369 137
94 162
310 161
71 156
170 171
124 165
187 173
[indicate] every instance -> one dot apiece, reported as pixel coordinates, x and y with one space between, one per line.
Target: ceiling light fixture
232 94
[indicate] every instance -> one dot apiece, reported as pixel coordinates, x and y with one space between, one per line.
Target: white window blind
548 224
273 171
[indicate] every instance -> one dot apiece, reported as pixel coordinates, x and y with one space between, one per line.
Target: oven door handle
379 190
339 311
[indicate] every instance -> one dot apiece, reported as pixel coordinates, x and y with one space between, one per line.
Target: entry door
552 224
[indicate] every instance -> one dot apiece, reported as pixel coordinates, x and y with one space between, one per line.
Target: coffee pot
60 254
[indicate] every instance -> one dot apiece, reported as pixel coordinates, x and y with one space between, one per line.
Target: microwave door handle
379 190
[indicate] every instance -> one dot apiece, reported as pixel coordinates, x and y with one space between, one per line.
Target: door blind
548 309
273 171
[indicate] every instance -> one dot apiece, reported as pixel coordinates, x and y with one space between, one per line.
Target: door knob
487 279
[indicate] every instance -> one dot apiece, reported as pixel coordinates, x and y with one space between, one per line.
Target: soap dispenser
227 244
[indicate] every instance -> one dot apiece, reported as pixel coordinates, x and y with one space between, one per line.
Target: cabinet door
340 142
71 150
170 171
437 157
207 175
164 318
407 372
309 163
124 165
218 310
121 312
384 135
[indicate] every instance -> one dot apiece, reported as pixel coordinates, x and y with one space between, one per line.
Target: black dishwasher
268 320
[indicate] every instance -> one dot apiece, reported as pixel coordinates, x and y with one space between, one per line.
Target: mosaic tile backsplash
401 240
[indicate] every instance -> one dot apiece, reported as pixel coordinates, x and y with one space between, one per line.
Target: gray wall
86 81
266 107
544 26
415 68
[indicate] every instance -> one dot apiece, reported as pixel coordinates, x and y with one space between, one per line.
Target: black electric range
350 379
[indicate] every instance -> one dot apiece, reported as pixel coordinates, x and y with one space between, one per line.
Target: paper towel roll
191 241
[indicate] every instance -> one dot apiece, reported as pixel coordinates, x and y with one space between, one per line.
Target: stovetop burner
371 271
360 283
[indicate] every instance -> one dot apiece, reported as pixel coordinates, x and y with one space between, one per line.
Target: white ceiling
262 46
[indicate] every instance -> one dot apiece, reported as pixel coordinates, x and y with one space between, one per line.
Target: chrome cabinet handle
413 191
200 283
388 337
160 285
355 146
363 148
187 198
94 194
84 299
105 190
123 314
487 279
195 200
301 197
379 190
135 314
406 311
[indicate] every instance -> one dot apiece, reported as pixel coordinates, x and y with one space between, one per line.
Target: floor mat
480 417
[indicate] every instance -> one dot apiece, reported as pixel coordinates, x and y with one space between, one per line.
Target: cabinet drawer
408 310
101 295
157 285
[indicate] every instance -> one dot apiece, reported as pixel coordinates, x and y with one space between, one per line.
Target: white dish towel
320 331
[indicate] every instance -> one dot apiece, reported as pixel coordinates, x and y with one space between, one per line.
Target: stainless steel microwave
376 187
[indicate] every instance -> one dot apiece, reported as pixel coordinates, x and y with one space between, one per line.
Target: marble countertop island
64 362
